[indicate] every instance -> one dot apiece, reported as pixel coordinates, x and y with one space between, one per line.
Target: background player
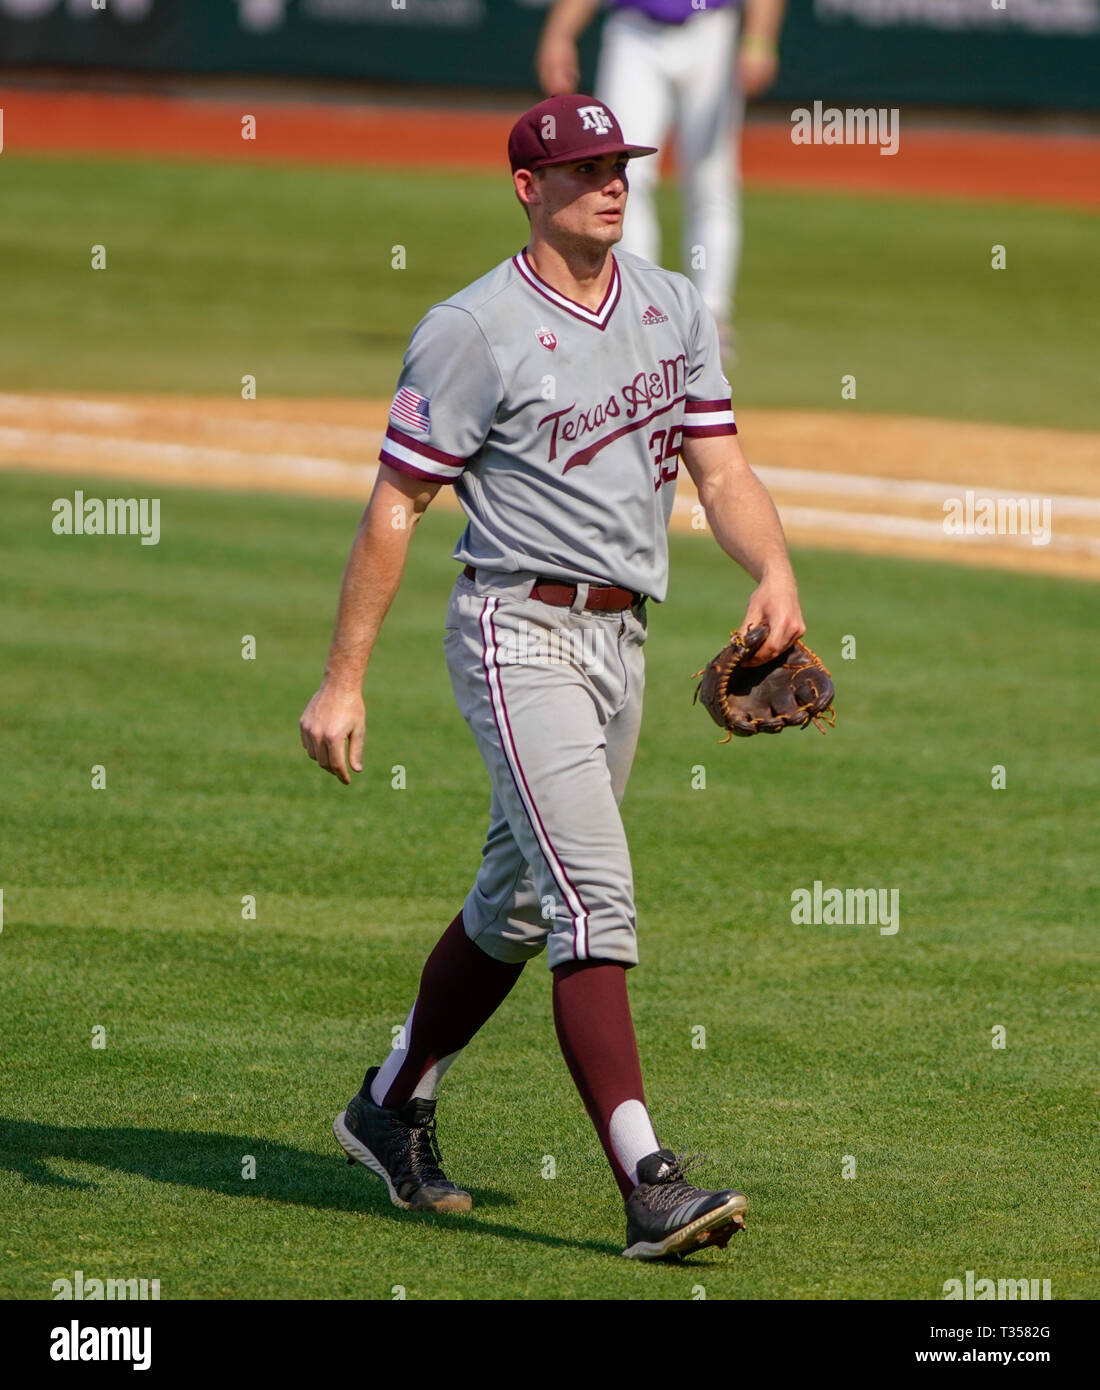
666 64
568 494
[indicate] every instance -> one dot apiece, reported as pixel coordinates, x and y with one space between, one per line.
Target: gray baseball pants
553 697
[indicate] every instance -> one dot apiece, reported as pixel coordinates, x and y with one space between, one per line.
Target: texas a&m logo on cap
595 118
565 128
546 338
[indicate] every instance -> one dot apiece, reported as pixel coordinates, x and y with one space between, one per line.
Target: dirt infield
1061 169
861 482
864 482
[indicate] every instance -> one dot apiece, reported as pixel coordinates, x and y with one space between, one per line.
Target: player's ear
526 186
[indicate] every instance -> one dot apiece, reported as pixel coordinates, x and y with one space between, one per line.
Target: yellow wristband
759 46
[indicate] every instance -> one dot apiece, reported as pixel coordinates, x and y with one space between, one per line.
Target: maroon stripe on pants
573 900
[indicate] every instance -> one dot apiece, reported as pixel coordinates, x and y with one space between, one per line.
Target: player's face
585 201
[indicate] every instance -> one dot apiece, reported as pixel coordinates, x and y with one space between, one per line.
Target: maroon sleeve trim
418 446
400 466
707 431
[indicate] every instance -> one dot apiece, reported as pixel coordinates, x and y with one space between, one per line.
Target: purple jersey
669 11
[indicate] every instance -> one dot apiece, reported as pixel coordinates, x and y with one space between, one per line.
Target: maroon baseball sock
596 1034
460 988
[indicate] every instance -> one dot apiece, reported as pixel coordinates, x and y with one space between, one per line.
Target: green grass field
214 272
227 1038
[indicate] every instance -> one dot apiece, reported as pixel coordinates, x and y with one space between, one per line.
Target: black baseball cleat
400 1146
665 1215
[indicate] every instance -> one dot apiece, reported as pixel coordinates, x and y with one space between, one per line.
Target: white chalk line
15 410
910 489
366 440
19 441
29 442
913 528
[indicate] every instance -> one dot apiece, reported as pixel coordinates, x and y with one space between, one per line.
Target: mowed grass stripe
214 272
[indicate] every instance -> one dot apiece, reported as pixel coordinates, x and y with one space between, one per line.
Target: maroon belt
602 598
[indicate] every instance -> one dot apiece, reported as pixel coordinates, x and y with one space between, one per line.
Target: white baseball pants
658 76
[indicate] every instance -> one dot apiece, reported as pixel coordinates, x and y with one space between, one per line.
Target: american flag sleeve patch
410 411
703 419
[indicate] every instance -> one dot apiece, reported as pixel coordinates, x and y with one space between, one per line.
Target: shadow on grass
215 1161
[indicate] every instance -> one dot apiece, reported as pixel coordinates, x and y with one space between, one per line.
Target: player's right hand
756 71
557 66
332 720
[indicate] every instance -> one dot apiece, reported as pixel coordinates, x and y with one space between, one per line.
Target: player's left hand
775 603
756 71
557 65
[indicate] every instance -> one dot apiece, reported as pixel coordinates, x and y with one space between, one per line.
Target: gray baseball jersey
560 426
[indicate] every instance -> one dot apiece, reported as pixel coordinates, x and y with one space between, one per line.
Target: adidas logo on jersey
654 315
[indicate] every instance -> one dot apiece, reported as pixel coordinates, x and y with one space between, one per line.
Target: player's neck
581 273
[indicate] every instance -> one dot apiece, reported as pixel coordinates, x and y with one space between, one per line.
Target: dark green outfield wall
1030 55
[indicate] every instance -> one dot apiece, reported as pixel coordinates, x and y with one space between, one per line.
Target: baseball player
556 395
677 63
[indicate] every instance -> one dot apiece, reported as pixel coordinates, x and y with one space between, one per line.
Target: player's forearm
742 515
371 580
762 24
569 19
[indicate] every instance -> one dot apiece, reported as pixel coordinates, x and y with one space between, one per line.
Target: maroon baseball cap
563 128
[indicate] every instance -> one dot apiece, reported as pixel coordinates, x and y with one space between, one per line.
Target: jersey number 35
665 446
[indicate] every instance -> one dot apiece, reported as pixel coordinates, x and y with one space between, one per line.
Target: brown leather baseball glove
790 691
